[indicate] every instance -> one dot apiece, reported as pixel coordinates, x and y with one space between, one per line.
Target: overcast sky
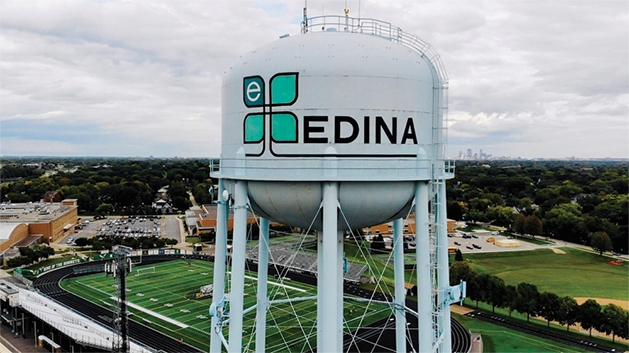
137 78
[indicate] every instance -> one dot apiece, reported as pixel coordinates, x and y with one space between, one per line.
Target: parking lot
478 243
131 226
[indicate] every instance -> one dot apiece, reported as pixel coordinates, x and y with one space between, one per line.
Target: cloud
126 78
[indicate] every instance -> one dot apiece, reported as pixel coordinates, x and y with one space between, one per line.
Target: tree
532 225
483 287
518 223
458 256
568 309
475 216
181 203
82 242
590 315
377 244
614 321
527 299
17 197
563 221
495 292
601 242
548 306
511 297
455 210
501 215
461 271
104 209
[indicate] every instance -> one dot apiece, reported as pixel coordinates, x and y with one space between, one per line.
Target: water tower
339 128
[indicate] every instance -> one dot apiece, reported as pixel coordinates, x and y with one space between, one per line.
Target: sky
529 78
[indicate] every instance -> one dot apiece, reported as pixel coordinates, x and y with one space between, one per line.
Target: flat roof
33 212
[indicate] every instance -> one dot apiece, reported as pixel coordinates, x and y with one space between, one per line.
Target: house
162 206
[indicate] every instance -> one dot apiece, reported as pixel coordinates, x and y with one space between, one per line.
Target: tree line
31 254
122 186
564 200
526 299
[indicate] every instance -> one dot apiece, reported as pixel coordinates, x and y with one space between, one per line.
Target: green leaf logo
283 125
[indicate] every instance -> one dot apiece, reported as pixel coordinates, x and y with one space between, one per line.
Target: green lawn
535 241
576 273
623 347
501 339
170 292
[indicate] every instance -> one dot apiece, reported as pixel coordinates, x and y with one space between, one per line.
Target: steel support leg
422 253
220 257
400 291
443 274
263 269
236 298
329 319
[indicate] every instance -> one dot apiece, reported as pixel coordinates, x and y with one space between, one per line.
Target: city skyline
530 80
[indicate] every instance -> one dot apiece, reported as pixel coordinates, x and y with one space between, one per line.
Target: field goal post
146 270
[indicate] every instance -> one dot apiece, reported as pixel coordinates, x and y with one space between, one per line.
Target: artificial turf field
165 300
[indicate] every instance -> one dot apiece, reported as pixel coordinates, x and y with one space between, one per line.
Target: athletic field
571 272
163 297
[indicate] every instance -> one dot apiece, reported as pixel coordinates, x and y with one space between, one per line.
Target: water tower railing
378 28
332 168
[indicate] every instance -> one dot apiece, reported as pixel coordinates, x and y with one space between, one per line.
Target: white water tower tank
331 106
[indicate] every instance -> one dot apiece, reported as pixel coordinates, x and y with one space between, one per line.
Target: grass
170 292
577 273
501 339
533 240
193 240
542 323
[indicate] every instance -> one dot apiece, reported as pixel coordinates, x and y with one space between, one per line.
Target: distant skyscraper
469 153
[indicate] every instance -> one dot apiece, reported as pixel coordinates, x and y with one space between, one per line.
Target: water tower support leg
329 320
443 274
263 268
422 253
400 295
339 289
236 300
220 254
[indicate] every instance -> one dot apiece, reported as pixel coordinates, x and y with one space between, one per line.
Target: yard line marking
152 313
277 284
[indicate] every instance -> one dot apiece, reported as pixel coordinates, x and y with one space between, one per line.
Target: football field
163 297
